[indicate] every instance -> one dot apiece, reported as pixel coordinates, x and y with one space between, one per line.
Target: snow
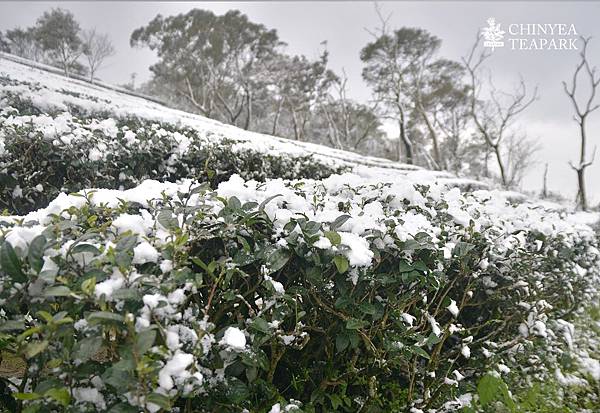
175 370
89 395
453 308
465 351
50 96
408 319
110 285
591 366
359 254
234 339
166 266
277 286
144 252
568 379
128 222
20 238
435 327
276 408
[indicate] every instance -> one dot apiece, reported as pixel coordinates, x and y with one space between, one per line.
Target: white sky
304 25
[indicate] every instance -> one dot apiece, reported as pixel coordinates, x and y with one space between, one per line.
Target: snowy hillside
53 92
156 260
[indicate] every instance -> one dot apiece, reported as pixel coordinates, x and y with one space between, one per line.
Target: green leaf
336 401
61 395
87 347
333 237
367 308
88 286
126 294
259 324
144 341
277 260
289 227
34 348
126 243
12 325
82 248
420 266
342 341
105 317
341 263
27 396
339 221
117 377
234 203
419 351
463 248
355 324
404 266
251 374
57 291
432 340
160 400
312 227
46 316
354 339
237 391
123 408
266 201
35 255
10 263
167 220
491 388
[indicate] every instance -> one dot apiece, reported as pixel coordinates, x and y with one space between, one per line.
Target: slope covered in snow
52 92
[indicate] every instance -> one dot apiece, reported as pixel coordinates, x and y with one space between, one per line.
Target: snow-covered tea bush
316 296
42 155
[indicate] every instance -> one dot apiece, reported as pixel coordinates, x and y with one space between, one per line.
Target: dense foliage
323 295
43 155
377 290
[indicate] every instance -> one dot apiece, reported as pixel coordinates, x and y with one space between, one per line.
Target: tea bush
42 156
316 296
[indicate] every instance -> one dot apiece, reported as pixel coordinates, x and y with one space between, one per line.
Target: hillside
156 260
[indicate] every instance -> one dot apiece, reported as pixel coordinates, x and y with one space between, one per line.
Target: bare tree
519 155
494 117
583 107
389 85
96 49
349 124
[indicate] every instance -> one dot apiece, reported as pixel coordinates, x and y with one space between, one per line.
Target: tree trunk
248 111
581 193
500 165
295 122
407 143
581 169
434 139
545 187
276 120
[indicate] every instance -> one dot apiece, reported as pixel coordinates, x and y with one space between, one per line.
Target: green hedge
42 155
307 296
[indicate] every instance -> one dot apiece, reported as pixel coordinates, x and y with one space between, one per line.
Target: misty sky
304 25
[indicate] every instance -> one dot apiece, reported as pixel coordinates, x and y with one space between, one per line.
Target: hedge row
42 156
314 296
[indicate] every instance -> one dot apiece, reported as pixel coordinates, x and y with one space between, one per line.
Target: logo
493 34
530 36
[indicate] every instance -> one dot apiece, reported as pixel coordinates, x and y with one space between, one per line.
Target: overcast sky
304 25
